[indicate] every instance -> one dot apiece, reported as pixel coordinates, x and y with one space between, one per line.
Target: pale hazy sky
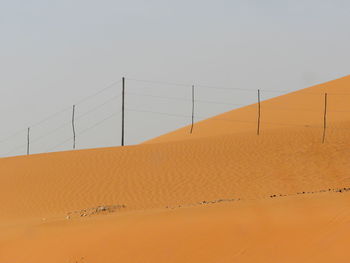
53 53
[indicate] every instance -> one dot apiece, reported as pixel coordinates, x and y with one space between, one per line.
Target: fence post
28 140
324 118
259 112
123 109
192 122
73 126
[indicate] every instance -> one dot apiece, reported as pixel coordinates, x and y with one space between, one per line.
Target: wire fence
105 105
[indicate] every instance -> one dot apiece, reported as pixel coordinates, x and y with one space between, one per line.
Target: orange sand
223 159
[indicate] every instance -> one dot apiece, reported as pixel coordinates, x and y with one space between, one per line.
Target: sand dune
303 109
159 187
159 175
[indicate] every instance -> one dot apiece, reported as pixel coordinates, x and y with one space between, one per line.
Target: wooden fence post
28 140
123 110
192 122
324 118
259 112
73 126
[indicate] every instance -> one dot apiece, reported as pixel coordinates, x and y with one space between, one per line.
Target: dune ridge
303 108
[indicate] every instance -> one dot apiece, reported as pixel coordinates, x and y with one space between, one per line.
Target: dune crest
303 108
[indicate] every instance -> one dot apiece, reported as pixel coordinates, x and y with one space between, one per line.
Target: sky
54 54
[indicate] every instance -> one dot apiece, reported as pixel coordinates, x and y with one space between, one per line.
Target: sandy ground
307 228
222 194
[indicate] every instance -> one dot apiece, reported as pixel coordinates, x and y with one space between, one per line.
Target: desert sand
221 194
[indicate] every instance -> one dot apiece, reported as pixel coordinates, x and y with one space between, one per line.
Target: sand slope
305 228
155 176
223 160
302 109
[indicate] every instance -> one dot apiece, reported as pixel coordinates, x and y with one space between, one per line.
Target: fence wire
146 97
